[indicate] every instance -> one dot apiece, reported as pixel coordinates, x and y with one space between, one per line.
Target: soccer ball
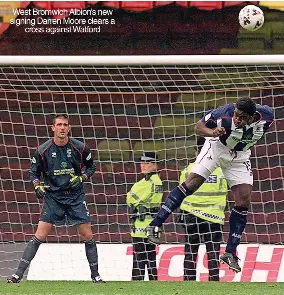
251 18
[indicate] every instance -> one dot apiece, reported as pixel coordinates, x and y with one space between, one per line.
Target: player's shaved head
246 105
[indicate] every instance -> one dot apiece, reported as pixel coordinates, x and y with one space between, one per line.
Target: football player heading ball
231 131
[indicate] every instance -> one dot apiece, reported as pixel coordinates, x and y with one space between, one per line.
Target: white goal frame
104 60
134 61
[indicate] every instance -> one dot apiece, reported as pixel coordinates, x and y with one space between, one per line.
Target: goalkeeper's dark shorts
58 212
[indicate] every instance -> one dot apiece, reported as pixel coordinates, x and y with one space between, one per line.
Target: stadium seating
203 101
181 3
232 3
254 40
163 3
207 5
237 3
279 5
114 4
122 126
186 34
149 145
137 5
68 5
43 4
251 42
147 5
173 126
179 149
170 173
91 2
277 32
152 35
23 4
127 172
103 174
114 150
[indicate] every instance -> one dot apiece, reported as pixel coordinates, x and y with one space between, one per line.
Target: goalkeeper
60 160
202 215
232 130
144 200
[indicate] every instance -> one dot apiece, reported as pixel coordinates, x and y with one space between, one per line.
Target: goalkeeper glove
40 191
75 180
153 234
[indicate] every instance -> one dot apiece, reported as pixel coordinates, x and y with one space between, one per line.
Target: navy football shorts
71 209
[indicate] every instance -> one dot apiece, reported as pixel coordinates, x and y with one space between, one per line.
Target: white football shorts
235 166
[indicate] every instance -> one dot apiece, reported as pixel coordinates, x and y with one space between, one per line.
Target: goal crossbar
152 60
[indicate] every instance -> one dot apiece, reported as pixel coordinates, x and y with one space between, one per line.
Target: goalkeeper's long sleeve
88 162
36 167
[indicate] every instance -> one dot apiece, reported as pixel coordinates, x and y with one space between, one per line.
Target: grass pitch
140 288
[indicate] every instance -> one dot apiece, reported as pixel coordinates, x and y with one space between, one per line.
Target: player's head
61 126
244 112
148 162
199 144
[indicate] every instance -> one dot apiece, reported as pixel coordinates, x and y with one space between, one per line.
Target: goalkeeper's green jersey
209 201
145 199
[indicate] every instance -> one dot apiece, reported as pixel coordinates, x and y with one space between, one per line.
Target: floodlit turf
141 288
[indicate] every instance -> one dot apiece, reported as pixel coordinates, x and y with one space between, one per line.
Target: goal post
121 106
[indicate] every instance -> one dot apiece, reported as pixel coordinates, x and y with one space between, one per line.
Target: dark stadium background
153 27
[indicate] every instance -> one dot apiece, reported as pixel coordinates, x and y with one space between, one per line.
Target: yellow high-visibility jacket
209 201
145 198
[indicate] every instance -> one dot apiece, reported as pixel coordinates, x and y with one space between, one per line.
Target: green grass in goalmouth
140 288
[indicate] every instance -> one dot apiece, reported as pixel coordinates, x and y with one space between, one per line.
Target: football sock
28 255
92 256
173 201
237 221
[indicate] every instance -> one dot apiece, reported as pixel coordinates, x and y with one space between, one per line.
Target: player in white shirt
231 131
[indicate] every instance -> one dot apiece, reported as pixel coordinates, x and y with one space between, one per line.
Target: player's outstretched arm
204 131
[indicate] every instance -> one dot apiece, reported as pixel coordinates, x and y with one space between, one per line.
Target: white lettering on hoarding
260 263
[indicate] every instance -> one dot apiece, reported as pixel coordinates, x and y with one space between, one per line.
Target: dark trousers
144 253
195 229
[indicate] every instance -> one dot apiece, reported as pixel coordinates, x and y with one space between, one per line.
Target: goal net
119 111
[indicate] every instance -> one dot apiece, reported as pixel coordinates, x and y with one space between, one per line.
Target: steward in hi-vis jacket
144 200
202 214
